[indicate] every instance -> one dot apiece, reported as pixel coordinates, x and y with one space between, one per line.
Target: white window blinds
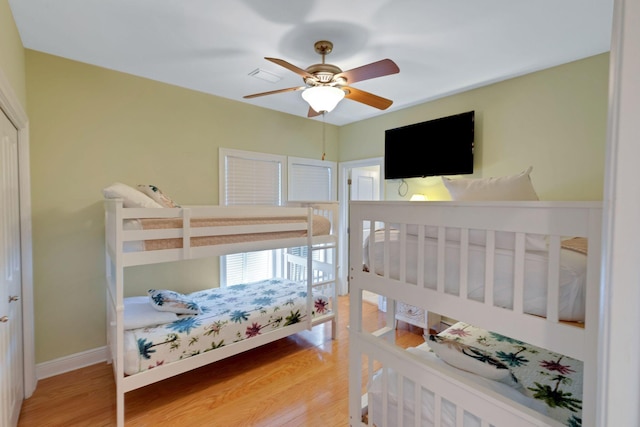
251 178
311 180
247 267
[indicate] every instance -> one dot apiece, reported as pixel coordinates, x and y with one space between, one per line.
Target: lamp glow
418 198
323 98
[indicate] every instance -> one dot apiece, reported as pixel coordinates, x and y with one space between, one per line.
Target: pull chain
323 135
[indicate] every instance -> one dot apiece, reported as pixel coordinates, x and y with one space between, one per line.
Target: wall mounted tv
442 146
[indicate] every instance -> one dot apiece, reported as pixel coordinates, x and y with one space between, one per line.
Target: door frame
621 204
12 108
344 173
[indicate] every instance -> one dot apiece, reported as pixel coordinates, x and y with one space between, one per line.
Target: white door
365 185
11 345
359 180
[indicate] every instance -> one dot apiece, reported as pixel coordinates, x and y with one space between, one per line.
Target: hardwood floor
298 381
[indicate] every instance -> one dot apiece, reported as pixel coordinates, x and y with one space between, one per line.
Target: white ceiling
441 46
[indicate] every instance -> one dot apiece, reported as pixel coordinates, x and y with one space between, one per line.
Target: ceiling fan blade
313 113
299 71
367 98
380 68
289 89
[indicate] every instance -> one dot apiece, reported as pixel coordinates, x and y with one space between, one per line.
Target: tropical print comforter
229 315
548 377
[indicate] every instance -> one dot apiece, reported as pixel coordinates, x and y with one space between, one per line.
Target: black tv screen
442 146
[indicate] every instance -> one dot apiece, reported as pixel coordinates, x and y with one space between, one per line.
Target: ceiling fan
326 84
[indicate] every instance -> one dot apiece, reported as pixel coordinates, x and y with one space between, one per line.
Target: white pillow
513 393
138 313
132 198
505 188
157 195
471 359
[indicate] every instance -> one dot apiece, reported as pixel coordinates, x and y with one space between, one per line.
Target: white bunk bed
140 236
547 298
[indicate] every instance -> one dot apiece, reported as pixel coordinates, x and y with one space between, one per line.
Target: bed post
355 319
119 272
114 265
309 267
592 318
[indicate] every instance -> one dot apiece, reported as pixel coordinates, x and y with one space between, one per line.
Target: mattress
572 273
321 226
229 315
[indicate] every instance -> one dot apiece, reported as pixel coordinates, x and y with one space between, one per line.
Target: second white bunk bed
305 295
511 271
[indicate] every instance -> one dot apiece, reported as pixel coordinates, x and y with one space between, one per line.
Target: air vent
265 75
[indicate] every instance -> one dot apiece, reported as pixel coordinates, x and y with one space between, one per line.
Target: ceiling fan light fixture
323 98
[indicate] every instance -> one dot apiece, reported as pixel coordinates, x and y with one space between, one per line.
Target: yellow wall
90 127
554 120
12 54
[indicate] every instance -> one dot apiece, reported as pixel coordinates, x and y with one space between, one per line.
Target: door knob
4 319
13 298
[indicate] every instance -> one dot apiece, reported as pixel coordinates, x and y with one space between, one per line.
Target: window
248 178
307 174
251 178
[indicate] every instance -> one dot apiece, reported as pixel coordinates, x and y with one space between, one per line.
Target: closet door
11 346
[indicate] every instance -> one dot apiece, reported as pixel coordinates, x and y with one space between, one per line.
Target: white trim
619 373
343 202
11 106
71 362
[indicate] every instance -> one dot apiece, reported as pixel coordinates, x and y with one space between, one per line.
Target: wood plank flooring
298 381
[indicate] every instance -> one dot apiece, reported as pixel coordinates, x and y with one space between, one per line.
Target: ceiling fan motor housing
322 72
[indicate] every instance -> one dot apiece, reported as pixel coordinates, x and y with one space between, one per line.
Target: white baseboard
71 363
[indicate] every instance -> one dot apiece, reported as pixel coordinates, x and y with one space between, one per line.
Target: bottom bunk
166 333
483 371
212 319
216 324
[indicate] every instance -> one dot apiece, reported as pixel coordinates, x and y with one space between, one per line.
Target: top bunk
149 235
521 269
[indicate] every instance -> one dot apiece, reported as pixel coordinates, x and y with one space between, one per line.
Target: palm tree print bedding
549 377
229 315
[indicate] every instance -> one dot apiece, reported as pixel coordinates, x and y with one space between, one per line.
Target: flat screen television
442 146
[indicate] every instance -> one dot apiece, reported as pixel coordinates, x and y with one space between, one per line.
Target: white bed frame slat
441 260
489 263
518 268
437 410
464 263
403 251
420 255
553 290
